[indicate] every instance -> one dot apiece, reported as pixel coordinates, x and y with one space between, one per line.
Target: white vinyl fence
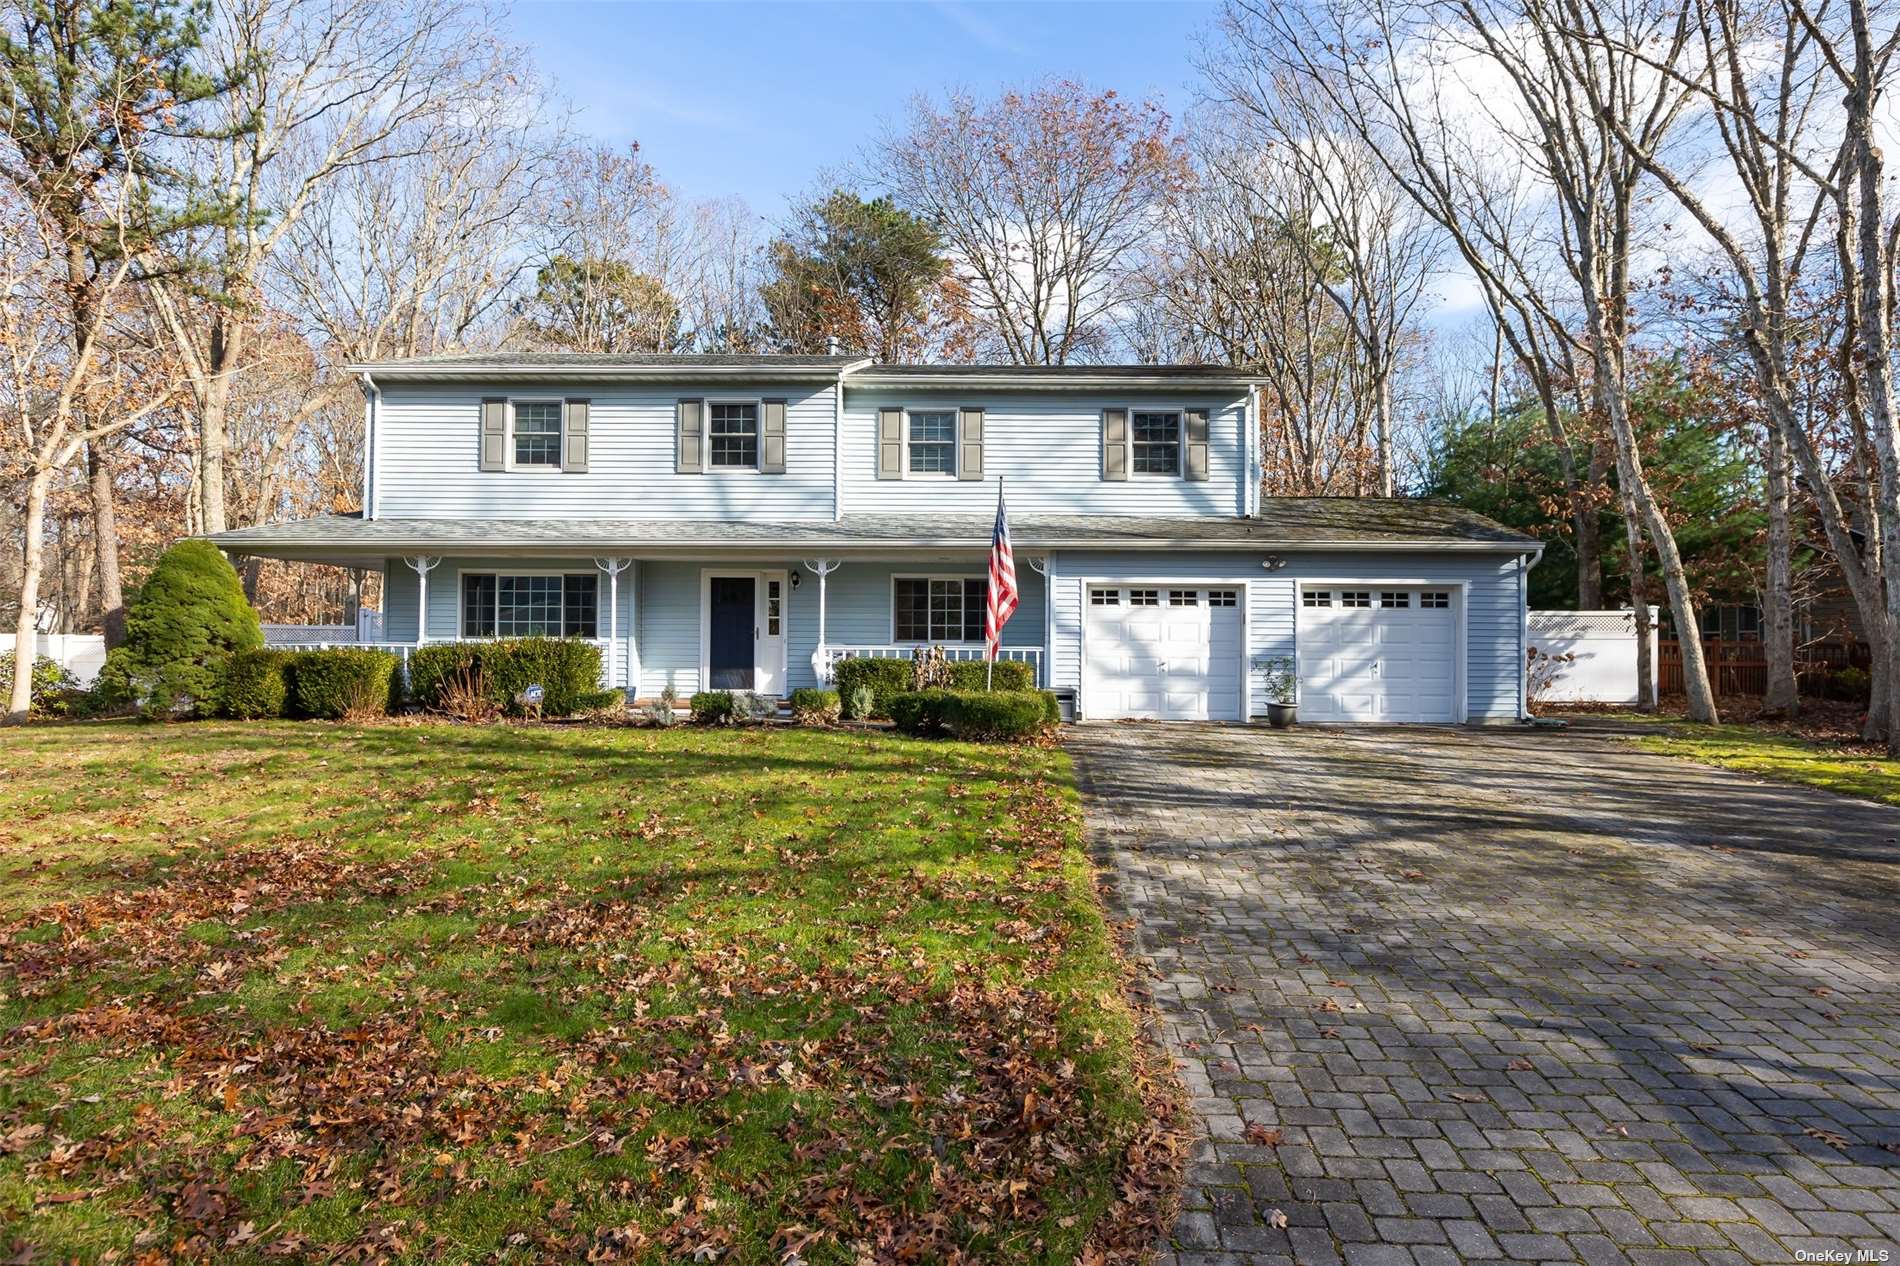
81 654
1586 656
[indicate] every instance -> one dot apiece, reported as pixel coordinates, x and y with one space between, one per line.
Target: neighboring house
746 521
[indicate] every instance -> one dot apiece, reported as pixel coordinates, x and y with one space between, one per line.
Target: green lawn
1851 768
443 993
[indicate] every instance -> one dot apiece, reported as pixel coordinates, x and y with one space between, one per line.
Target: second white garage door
1163 653
1371 654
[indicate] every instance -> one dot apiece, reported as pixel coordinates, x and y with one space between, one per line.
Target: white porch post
821 568
422 566
613 567
1041 567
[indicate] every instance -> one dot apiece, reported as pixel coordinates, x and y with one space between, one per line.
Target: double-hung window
495 605
938 609
1156 442
933 442
537 438
732 432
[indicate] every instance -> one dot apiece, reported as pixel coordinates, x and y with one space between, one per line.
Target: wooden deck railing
1741 667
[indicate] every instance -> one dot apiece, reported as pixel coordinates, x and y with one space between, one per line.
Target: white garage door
1161 652
1369 654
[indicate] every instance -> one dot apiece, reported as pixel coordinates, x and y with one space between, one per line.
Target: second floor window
538 433
1156 443
529 606
933 443
939 609
732 429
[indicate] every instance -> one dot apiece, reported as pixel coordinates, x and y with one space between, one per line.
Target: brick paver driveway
1444 995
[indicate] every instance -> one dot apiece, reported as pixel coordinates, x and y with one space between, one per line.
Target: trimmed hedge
567 670
815 707
980 716
888 677
919 713
713 707
342 683
256 685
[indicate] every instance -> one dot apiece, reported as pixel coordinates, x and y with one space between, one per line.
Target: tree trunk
1639 606
1589 529
227 338
1782 697
33 561
105 534
1383 404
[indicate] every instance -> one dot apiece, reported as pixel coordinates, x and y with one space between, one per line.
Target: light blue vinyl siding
427 441
1047 446
660 607
1493 614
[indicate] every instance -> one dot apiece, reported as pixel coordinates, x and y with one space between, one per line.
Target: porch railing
830 655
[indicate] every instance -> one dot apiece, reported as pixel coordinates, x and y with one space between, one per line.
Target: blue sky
757 99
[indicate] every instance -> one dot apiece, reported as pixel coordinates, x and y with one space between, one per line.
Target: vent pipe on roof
831 345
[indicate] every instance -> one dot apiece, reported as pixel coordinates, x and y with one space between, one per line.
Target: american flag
1003 594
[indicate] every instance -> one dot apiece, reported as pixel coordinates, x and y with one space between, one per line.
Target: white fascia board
1031 382
299 548
478 372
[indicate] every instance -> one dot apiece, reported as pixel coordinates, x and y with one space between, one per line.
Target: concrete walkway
1445 995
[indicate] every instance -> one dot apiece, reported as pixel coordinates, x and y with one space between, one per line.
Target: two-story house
746 521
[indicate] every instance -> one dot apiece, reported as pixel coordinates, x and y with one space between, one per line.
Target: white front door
1374 653
1162 652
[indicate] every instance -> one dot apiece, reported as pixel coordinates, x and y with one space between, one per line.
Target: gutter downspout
371 394
837 454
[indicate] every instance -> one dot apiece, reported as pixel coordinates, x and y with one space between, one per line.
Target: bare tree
1371 249
1043 197
318 87
1551 93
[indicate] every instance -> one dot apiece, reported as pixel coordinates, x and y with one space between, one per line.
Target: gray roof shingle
1284 522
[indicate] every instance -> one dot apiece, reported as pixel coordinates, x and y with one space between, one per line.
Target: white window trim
933 476
560 438
758 421
461 612
1180 440
911 575
1459 611
1244 604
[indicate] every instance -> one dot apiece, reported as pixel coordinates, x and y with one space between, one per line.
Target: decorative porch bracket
422 565
821 568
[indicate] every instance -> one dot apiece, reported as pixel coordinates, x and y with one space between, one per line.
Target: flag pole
989 670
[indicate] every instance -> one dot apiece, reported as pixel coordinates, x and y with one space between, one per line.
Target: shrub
858 702
919 713
189 616
601 701
816 707
713 707
566 669
54 691
999 715
256 685
661 712
343 684
887 677
1851 684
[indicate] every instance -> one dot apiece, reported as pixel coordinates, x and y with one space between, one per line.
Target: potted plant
1283 691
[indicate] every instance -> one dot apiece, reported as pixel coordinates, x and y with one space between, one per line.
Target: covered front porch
767 624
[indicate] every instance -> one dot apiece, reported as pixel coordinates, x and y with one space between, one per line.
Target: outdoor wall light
1273 562
794 577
